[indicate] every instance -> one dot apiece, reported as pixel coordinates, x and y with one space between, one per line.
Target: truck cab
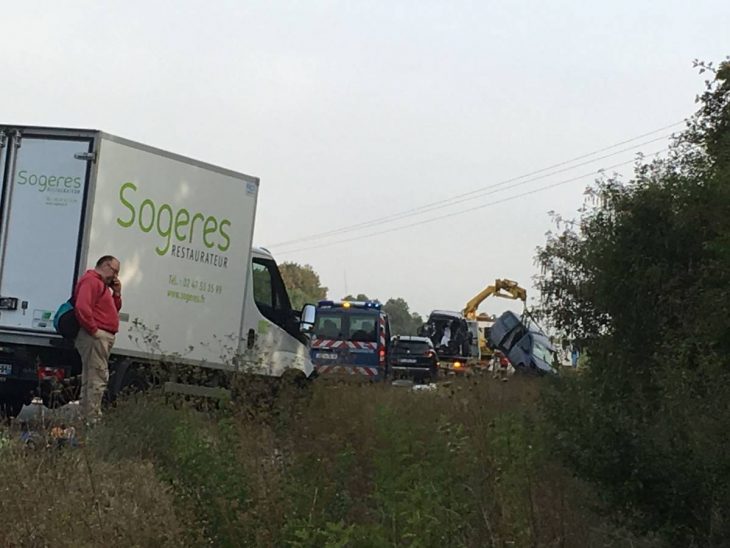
455 339
351 338
279 345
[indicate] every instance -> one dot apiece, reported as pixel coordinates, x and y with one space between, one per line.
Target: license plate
6 369
408 360
326 356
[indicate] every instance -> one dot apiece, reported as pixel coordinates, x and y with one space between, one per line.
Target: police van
351 338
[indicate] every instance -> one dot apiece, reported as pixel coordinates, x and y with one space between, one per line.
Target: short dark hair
105 259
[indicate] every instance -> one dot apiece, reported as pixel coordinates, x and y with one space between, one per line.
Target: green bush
641 280
358 466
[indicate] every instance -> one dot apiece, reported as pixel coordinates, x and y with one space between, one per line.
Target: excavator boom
507 289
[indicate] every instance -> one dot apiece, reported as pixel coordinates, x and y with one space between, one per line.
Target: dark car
413 357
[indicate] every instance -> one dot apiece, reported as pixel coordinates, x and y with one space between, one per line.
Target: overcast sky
357 112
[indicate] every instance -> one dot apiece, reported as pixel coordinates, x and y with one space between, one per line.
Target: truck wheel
11 407
293 378
134 381
292 385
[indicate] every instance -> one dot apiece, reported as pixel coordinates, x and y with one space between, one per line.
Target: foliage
334 465
195 457
360 297
641 280
402 321
52 497
302 283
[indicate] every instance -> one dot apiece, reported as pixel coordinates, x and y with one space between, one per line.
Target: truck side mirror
306 323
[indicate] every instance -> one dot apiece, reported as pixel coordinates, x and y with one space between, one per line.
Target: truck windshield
363 327
328 325
347 326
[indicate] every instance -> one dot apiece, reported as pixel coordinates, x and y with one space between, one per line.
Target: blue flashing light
375 305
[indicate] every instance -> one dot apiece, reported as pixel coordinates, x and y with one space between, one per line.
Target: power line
462 197
474 208
468 195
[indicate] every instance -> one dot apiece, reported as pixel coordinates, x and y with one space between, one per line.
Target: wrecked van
527 349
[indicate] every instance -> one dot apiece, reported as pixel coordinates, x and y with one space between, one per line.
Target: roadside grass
467 464
51 497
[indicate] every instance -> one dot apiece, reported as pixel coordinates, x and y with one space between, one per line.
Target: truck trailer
194 288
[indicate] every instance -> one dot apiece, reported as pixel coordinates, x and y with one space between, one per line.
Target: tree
302 284
360 297
402 322
641 280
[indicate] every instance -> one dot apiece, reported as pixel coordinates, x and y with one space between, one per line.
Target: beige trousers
94 351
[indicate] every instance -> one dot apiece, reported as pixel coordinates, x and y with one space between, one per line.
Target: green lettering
168 223
192 225
181 219
130 222
151 205
210 226
165 232
224 222
77 181
22 178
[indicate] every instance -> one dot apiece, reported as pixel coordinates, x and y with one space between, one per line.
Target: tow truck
506 289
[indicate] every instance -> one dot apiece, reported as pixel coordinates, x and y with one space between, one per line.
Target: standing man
574 355
98 299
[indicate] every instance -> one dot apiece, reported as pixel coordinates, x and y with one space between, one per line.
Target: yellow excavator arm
507 289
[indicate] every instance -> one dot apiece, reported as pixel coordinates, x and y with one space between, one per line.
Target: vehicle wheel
11 407
134 381
293 383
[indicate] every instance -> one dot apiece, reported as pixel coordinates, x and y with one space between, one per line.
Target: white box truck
193 286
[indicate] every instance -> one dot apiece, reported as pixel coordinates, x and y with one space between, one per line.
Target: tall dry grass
467 464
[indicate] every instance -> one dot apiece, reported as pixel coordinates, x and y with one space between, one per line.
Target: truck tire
292 386
293 378
126 377
134 380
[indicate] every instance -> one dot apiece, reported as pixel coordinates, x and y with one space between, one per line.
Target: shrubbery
641 281
334 465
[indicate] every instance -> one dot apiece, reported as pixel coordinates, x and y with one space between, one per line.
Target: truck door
270 327
43 190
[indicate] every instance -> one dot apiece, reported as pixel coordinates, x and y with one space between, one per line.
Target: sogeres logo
172 225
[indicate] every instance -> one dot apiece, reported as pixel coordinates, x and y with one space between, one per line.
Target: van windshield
542 352
346 326
328 325
363 327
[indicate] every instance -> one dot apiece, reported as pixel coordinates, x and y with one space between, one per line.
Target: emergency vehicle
351 338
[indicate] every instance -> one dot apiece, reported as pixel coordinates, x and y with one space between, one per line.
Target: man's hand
116 286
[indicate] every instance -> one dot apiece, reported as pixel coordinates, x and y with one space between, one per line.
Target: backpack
65 320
